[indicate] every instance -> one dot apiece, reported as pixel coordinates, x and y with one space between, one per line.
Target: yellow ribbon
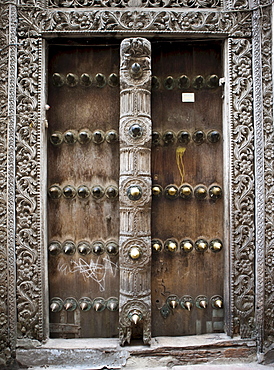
179 160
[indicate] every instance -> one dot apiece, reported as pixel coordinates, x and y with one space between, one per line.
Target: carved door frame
249 131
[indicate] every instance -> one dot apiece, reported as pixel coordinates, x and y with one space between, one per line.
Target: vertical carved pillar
135 189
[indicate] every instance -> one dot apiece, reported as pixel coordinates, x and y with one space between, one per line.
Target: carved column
135 189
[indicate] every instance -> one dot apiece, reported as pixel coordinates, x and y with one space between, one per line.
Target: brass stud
71 79
171 192
217 302
169 137
155 83
200 192
83 248
215 192
198 82
84 136
112 248
183 82
198 137
99 304
100 80
54 192
169 83
136 131
70 137
157 190
69 247
135 252
186 191
201 302
213 136
212 81
85 303
186 302
156 138
112 304
56 138
58 80
186 245
136 70
56 304
201 245
83 191
69 192
98 136
113 80
171 245
54 248
157 245
111 192
135 316
183 137
111 136
70 304
134 192
97 191
216 245
97 248
85 80
172 301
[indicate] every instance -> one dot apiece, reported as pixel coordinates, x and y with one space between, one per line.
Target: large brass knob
70 304
171 245
135 316
201 302
56 304
69 247
136 70
135 252
185 191
157 190
215 192
54 192
84 136
200 192
156 245
135 131
186 245
99 304
112 304
56 138
216 245
85 303
201 245
171 192
134 192
55 248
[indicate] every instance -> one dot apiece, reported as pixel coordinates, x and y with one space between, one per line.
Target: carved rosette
135 189
242 193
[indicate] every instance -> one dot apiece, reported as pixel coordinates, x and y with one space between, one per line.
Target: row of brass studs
184 137
83 192
84 136
85 304
185 82
186 191
85 80
187 245
187 303
83 248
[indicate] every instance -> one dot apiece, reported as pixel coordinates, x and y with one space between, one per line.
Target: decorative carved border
34 23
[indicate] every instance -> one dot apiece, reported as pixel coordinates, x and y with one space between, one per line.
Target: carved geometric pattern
135 270
242 206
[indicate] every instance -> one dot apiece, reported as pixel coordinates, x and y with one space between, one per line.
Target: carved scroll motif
135 189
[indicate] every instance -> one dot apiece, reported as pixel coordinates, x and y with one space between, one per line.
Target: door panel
83 176
180 274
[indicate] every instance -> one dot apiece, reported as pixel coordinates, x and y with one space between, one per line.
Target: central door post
135 190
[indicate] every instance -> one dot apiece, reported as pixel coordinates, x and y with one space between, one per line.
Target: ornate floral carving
29 280
242 211
135 3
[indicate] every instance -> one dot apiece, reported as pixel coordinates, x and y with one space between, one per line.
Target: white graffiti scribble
91 269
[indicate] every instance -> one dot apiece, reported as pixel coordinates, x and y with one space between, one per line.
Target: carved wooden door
115 258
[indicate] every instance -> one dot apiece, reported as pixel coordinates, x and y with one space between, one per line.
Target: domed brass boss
69 191
135 316
56 304
217 302
83 248
112 304
201 302
212 81
70 136
97 191
70 304
56 138
111 192
135 252
98 136
201 245
215 192
198 137
156 245
186 302
169 137
136 70
112 248
84 136
54 192
54 248
171 192
85 80
169 83
156 138
135 131
58 80
69 247
216 245
183 137
134 192
157 190
171 245
183 82
97 248
113 80
186 245
111 136
198 82
185 191
213 136
83 192
100 80
85 303
172 301
99 304
200 192
71 79
155 83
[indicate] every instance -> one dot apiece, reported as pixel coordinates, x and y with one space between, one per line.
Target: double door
135 189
